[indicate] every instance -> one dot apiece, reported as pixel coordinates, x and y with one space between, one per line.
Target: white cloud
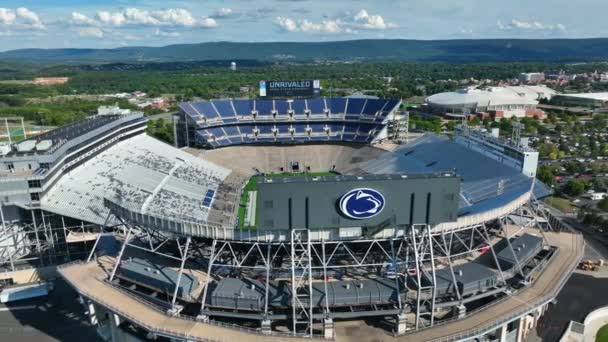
30 18
304 25
223 12
166 33
522 25
80 19
173 17
346 23
208 22
89 32
7 16
21 18
287 24
372 22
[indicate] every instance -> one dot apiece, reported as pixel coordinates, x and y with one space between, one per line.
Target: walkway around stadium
88 280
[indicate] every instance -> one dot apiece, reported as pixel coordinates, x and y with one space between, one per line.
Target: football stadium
286 218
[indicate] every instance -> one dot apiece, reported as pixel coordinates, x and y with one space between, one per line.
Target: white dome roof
494 96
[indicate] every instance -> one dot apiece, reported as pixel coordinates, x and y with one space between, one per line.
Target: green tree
546 174
574 187
603 204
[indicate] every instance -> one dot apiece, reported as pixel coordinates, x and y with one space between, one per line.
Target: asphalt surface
58 317
584 291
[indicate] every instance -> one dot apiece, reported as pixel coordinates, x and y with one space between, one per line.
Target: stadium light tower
516 134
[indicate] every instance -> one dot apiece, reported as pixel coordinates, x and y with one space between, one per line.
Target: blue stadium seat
189 110
337 105
218 133
283 127
349 127
317 128
284 139
265 129
206 109
243 107
373 106
282 107
224 108
348 136
316 106
235 125
231 131
390 105
355 106
299 128
264 107
336 127
298 107
246 129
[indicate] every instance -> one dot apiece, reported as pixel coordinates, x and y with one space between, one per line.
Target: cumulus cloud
20 18
345 23
80 19
516 24
223 13
173 17
304 25
90 32
372 22
166 33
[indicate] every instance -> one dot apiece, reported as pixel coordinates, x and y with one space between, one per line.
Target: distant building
112 110
493 102
596 196
591 100
531 77
50 80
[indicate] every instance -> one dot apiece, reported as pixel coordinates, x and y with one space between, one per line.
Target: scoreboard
285 88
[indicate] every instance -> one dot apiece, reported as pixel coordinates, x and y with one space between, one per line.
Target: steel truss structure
411 257
44 239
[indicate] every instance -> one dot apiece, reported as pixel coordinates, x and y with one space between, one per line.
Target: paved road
56 318
584 291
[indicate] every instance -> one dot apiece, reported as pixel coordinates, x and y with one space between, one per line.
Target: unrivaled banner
301 88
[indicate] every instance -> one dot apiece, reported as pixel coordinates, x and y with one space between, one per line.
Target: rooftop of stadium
496 96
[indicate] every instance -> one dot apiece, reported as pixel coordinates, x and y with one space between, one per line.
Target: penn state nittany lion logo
362 203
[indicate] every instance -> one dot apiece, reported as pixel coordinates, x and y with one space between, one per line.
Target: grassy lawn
561 204
602 334
252 185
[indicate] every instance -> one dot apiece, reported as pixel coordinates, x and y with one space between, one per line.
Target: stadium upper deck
228 122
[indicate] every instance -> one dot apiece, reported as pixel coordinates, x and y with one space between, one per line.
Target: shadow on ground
58 317
581 295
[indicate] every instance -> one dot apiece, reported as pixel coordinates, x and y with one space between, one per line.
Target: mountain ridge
363 49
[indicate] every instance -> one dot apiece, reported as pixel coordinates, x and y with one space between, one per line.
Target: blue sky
115 23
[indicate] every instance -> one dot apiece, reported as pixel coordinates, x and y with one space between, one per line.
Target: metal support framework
184 255
212 258
120 254
301 281
422 242
41 240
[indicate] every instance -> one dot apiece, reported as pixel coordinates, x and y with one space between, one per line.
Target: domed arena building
492 102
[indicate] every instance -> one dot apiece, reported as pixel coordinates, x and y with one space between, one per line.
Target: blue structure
229 122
